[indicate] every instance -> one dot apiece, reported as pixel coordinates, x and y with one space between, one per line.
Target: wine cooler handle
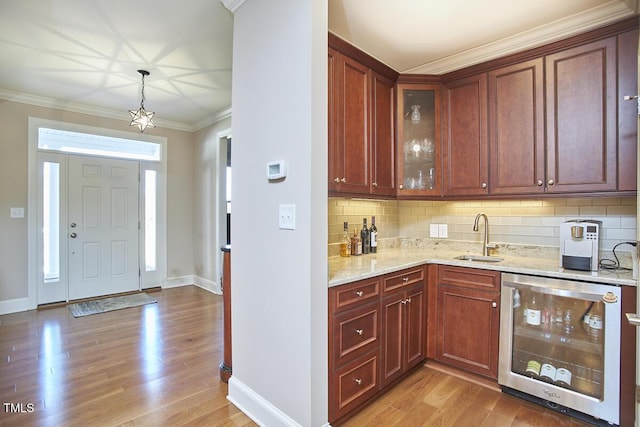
633 318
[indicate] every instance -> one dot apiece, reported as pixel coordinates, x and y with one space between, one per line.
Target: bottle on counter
373 236
356 243
533 310
365 237
345 244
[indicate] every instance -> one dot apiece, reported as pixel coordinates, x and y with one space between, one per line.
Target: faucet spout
485 243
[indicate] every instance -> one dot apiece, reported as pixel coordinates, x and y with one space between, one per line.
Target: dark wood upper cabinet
383 145
349 146
465 154
581 118
516 129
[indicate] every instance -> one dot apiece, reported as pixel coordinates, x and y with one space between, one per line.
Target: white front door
102 226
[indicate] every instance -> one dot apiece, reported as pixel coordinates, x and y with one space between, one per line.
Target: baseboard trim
201 282
256 407
15 305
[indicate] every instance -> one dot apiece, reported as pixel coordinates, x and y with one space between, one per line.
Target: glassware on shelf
415 114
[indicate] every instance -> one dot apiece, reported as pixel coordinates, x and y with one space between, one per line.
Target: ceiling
82 55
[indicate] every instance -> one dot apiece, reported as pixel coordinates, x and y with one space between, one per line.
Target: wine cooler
559 345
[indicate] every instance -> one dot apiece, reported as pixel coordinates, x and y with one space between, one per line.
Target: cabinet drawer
344 297
403 278
354 384
469 277
355 333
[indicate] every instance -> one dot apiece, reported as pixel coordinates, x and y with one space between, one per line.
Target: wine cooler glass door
563 342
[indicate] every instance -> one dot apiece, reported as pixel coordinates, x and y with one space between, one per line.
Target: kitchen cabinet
465 157
581 95
516 129
403 313
377 334
360 123
354 345
419 139
467 317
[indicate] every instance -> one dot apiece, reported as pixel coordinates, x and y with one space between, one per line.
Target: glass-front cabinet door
418 140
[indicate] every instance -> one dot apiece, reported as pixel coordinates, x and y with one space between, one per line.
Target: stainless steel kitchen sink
479 258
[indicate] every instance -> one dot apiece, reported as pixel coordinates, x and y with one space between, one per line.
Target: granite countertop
532 260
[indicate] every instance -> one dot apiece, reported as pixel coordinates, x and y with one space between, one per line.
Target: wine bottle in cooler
373 236
366 237
533 310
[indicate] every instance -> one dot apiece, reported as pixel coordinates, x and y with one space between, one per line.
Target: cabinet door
627 111
418 144
351 144
466 163
581 118
332 121
382 138
516 129
392 332
415 329
468 327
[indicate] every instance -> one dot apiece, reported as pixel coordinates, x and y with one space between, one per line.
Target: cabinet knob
343 180
336 179
359 293
408 300
375 184
359 331
401 186
483 185
405 279
358 381
494 304
551 182
539 183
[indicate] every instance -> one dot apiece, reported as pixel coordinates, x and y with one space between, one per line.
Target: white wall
279 277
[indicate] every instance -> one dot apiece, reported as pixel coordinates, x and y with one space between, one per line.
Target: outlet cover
16 213
433 230
442 231
287 217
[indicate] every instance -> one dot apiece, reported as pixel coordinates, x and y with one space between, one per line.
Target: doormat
104 305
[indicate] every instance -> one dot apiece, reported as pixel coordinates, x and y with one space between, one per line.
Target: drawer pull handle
359 293
406 301
359 331
358 381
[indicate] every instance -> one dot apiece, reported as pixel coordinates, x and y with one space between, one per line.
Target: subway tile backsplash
526 222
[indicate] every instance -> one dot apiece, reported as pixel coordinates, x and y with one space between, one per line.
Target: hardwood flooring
157 365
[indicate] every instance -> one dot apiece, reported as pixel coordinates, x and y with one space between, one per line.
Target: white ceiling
82 55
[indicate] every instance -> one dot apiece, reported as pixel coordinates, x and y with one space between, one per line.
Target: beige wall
13 191
527 222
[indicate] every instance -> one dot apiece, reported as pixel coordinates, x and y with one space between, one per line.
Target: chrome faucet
485 244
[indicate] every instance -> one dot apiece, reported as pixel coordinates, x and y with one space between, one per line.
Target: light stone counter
532 260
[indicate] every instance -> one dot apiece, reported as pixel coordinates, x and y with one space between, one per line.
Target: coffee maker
580 244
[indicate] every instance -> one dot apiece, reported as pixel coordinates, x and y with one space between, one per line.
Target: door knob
72 225
73 235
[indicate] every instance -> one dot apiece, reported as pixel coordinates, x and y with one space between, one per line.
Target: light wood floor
157 365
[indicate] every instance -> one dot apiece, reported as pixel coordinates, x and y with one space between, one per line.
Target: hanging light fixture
141 117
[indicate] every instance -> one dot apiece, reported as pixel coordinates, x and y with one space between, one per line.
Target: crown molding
554 31
232 5
41 101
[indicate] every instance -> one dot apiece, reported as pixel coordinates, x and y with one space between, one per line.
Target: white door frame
148 279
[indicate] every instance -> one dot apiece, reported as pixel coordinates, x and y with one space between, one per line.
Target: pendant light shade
141 117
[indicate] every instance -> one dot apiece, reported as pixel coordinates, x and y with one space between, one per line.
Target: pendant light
140 117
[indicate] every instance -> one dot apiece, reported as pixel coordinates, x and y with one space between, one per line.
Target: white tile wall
532 222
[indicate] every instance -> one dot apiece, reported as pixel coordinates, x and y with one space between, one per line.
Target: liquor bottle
365 236
533 311
345 245
373 232
356 243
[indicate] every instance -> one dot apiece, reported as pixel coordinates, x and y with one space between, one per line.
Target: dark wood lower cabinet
467 318
377 334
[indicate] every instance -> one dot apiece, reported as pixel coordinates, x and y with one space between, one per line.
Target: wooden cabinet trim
469 277
402 279
344 297
355 333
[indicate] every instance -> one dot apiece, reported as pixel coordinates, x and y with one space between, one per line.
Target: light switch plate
443 231
16 213
287 217
433 230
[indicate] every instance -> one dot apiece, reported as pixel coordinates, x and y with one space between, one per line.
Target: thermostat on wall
276 170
